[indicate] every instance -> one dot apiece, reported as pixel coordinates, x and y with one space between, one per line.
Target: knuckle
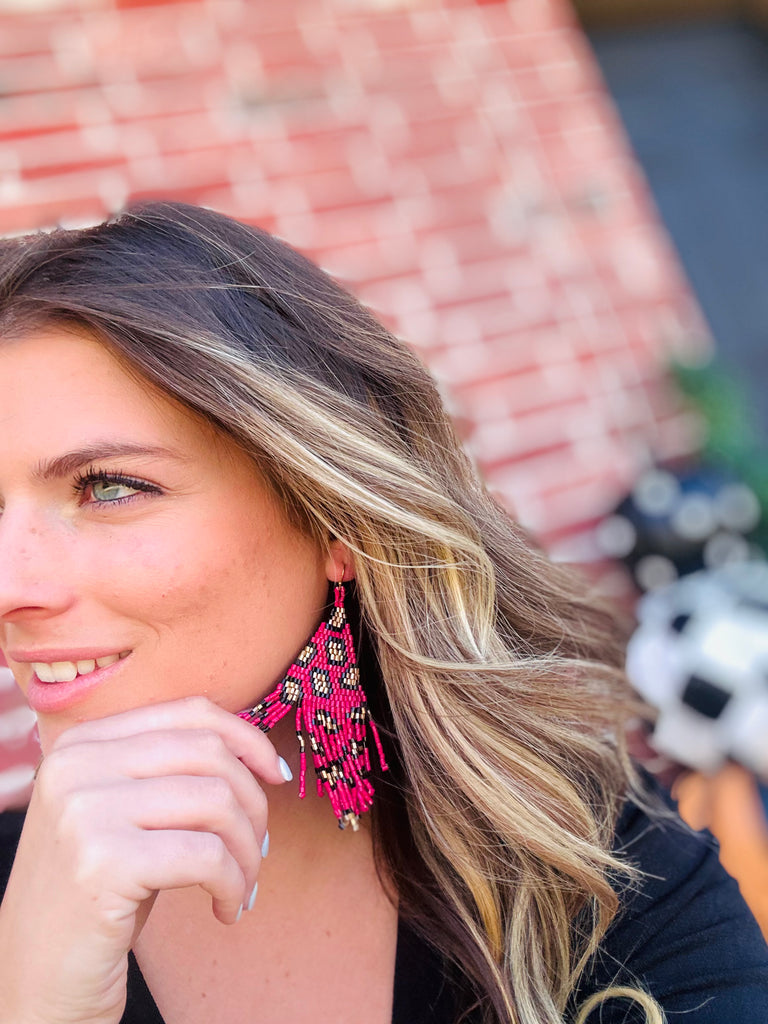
211 850
76 812
197 706
95 862
260 803
221 794
210 743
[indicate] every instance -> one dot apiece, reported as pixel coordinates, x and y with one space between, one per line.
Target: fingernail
285 771
252 898
265 845
239 913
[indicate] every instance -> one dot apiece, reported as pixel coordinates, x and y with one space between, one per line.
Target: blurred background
692 94
528 191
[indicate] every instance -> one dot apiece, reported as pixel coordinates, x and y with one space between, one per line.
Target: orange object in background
729 805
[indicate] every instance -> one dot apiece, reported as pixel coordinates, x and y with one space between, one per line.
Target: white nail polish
239 913
285 770
252 898
265 845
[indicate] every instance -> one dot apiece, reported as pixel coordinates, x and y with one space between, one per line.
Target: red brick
525 391
146 3
265 18
150 42
19 751
395 30
341 227
43 213
164 97
41 73
36 115
23 35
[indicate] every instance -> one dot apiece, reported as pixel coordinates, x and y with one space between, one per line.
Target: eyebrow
69 462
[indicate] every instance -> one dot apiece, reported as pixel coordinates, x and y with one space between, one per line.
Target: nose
34 582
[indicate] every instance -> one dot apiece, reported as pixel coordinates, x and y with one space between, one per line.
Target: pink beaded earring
323 685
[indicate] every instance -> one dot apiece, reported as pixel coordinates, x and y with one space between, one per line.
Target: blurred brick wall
456 163
19 752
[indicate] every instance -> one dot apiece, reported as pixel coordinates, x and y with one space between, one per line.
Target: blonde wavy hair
497 679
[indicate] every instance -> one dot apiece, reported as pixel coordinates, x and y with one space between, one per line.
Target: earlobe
340 563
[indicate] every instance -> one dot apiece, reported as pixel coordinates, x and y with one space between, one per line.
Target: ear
339 563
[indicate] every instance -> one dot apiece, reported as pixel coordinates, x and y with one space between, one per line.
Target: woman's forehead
66 402
71 377
64 390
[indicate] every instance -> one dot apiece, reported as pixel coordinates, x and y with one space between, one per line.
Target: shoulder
683 932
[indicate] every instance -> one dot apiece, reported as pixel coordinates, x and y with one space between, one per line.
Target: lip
48 698
51 654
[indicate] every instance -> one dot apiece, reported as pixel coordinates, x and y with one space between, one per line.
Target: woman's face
138 547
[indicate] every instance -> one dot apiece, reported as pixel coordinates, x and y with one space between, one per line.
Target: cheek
164 582
182 584
218 605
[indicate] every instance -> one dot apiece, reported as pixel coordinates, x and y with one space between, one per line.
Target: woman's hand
156 798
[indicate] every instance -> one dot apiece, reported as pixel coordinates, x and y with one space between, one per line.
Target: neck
309 825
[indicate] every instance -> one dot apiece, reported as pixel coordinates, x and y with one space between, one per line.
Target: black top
685 935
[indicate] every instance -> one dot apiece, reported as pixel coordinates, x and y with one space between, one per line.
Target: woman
211 454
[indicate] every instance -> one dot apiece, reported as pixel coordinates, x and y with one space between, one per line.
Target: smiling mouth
67 671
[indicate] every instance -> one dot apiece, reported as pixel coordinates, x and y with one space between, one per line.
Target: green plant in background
731 440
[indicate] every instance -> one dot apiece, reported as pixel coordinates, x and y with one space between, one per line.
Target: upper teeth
66 671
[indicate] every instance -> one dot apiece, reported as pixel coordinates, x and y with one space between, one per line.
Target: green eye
101 487
106 490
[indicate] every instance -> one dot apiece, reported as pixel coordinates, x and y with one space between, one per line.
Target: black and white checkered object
700 655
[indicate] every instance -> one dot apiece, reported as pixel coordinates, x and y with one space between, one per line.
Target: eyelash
91 476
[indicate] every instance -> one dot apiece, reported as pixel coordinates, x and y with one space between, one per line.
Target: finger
177 752
175 859
199 805
247 743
